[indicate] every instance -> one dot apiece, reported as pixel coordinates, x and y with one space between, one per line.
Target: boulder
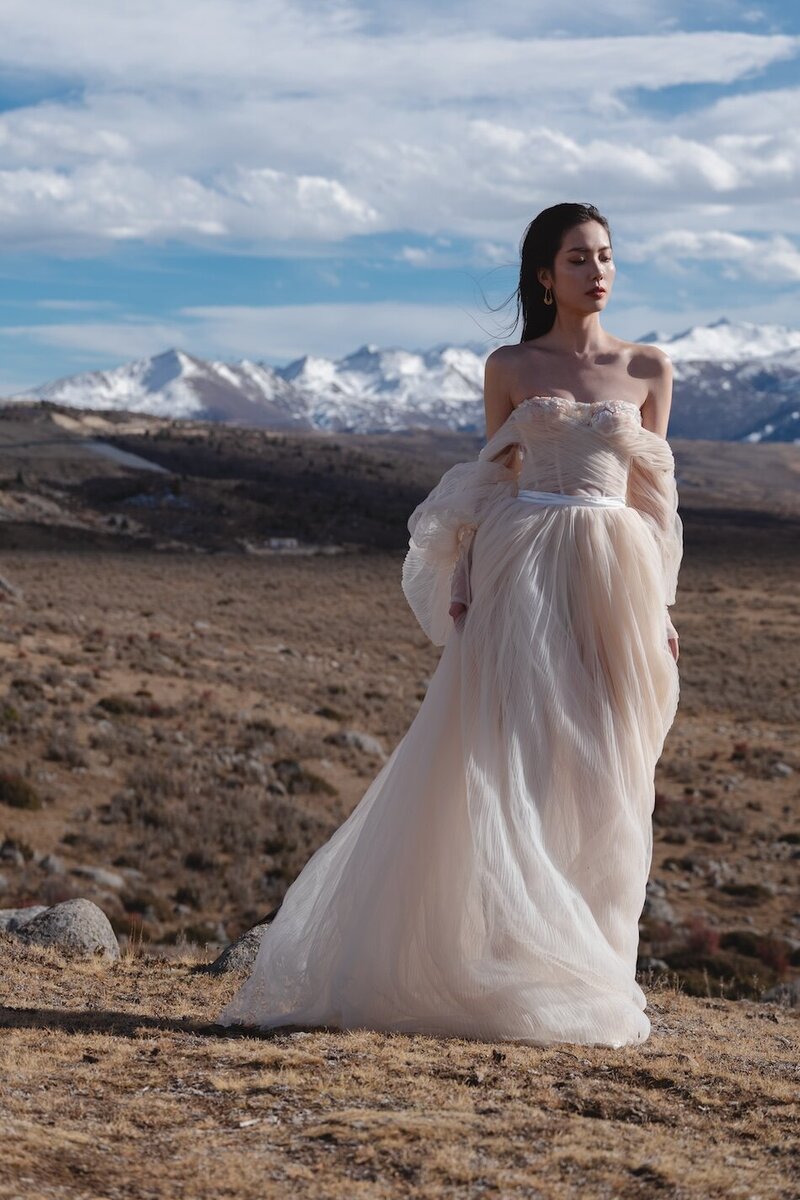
12 919
240 955
75 926
787 992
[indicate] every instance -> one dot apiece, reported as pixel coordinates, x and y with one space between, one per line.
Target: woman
489 883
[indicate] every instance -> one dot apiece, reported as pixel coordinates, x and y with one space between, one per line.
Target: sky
265 179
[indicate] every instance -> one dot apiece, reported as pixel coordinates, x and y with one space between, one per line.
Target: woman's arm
655 418
657 406
498 407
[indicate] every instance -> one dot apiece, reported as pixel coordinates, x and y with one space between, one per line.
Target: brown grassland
176 738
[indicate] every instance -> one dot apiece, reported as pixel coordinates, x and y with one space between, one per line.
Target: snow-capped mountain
733 382
177 385
738 341
389 389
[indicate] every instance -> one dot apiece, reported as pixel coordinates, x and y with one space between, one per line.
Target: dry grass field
116 1086
182 723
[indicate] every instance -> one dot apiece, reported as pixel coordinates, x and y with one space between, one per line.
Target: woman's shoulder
645 353
503 356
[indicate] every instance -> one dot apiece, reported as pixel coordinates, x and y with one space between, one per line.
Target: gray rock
240 955
12 919
658 908
101 876
8 591
362 741
76 926
52 864
649 963
787 992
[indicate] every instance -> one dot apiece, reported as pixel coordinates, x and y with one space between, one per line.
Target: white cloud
75 305
99 340
281 122
102 202
284 127
108 203
277 46
277 334
769 259
296 206
282 332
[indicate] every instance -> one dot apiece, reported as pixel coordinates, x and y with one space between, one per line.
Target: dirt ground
184 718
184 723
115 1086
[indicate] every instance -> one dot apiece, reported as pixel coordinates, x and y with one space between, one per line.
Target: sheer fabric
490 881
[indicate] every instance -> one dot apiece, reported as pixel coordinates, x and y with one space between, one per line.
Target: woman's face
583 270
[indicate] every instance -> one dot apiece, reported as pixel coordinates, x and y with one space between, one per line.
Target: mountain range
734 381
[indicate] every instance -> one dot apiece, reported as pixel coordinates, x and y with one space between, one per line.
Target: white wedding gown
490 881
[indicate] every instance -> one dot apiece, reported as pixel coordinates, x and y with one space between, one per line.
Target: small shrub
748 893
329 712
199 860
17 792
27 689
702 938
774 953
743 941
12 846
63 748
118 706
262 725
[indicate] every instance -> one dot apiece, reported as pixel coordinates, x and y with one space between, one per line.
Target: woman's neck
577 334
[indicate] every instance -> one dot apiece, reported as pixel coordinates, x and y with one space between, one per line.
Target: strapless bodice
591 407
572 446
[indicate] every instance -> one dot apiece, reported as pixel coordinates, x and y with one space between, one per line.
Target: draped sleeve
652 490
441 528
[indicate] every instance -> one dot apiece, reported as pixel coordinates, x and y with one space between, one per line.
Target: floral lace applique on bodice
597 410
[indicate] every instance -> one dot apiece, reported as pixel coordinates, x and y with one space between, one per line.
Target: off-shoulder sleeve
652 490
441 528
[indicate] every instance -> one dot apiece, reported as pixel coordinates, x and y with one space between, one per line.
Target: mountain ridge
735 381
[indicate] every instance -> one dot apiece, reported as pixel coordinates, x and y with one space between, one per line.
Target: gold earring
548 295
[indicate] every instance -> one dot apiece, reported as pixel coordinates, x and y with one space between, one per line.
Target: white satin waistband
557 498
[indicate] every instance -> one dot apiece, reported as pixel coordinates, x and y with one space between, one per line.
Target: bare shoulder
647 362
654 367
498 387
502 358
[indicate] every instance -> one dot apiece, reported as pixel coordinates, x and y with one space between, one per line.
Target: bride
490 881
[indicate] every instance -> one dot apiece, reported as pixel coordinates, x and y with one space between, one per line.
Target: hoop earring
548 296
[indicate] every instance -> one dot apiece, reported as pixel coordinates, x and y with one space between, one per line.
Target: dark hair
540 245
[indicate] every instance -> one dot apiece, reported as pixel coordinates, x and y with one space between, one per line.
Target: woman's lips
596 292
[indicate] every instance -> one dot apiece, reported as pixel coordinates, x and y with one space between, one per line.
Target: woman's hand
672 637
457 611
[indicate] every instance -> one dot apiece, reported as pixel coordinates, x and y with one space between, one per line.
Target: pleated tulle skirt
490 881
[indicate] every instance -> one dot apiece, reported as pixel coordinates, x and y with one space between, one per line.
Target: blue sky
270 179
